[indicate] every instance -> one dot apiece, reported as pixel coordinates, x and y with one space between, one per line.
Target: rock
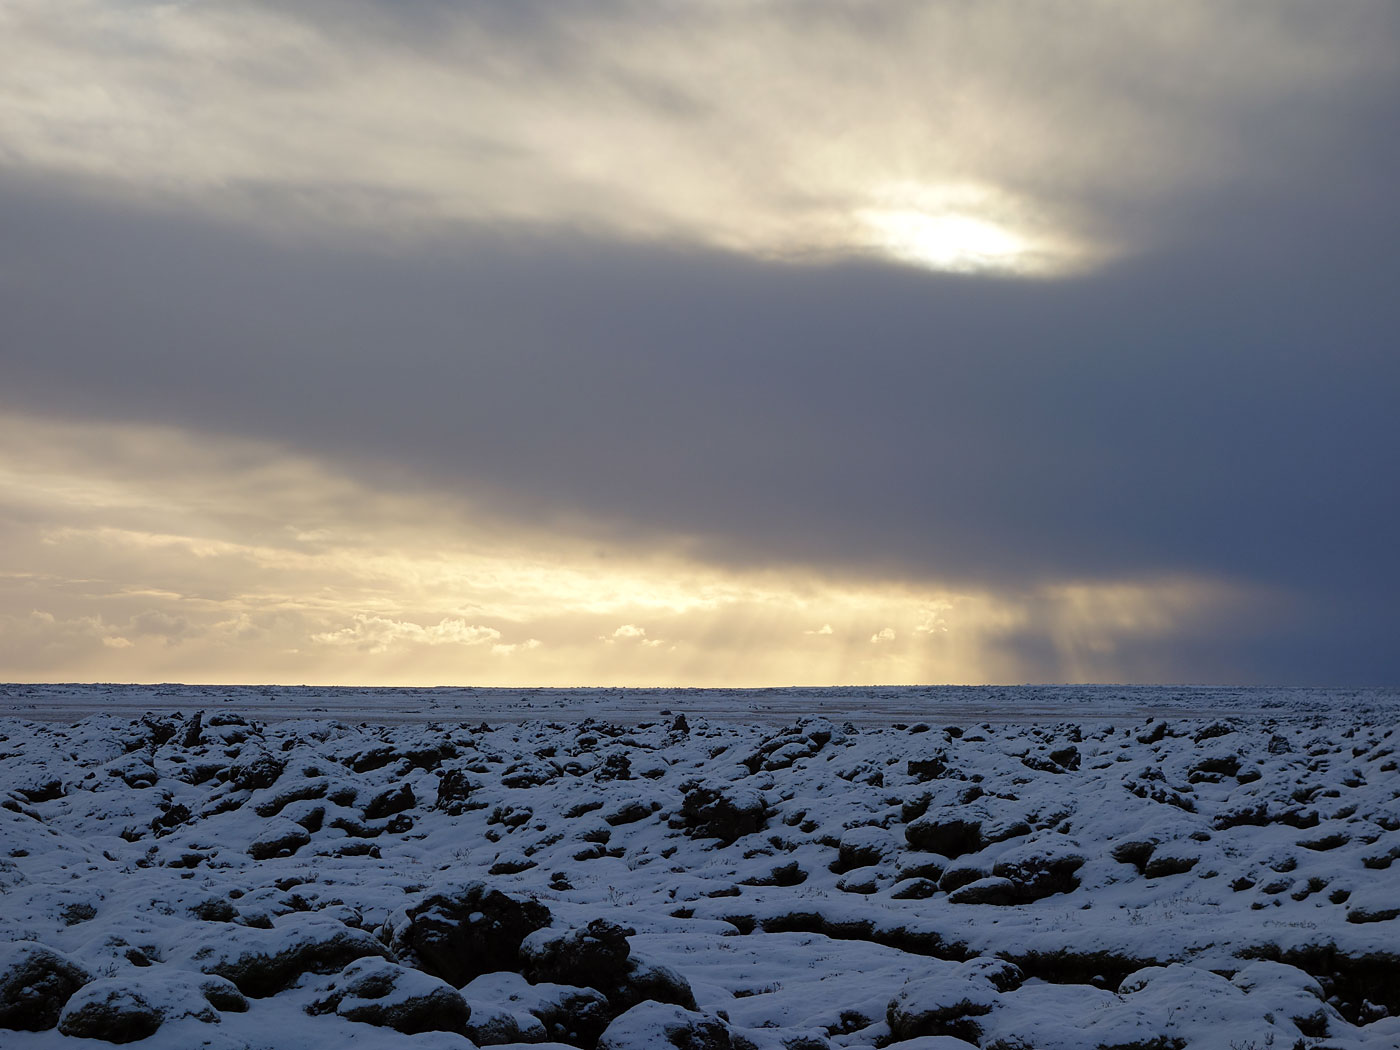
956 876
647 980
913 889
1040 870
863 847
920 866
315 787
950 836
213 909
1168 861
491 1024
947 1003
109 1010
127 1009
387 803
1135 852
35 983
192 731
568 1013
571 1014
383 993
723 811
789 873
278 838
654 1026
259 770
923 769
454 789
222 994
510 862
993 890
464 930
629 812
262 962
595 956
598 956
42 791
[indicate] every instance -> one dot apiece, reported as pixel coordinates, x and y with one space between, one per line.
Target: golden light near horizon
148 554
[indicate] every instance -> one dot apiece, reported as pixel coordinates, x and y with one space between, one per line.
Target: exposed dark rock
789 874
35 983
45 791
454 789
993 890
111 1011
950 836
724 812
1040 872
946 1004
930 768
573 1015
262 962
310 789
1135 852
655 1026
281 838
1162 864
390 801
259 770
382 993
461 932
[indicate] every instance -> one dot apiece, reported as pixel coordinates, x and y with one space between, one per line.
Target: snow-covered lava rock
213 881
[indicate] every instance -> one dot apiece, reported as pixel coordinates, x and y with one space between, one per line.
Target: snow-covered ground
926 869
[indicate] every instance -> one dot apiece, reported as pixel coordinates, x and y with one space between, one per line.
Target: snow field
1177 882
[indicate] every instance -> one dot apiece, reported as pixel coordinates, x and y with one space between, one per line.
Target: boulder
655 1026
380 992
35 983
948 1003
723 811
461 931
595 956
993 890
491 1024
1040 870
129 1008
279 837
950 836
110 1010
262 962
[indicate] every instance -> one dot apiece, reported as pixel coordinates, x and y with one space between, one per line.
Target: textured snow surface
920 870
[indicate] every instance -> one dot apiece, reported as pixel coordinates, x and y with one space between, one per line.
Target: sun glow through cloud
652 128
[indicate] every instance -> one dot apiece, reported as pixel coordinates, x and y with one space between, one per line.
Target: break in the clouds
721 343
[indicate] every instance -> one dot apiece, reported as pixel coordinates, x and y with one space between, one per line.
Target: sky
712 343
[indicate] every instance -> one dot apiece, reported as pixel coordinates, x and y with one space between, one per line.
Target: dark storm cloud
1224 407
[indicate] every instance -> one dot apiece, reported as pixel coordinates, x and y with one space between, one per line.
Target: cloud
383 596
506 649
299 342
988 139
379 634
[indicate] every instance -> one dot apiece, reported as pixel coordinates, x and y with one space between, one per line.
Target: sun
948 242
